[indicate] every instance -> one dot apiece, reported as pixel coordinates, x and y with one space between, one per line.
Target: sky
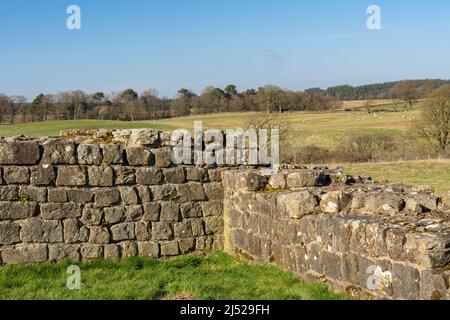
172 44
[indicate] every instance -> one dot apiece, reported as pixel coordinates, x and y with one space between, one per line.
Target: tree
186 96
435 124
405 90
21 106
272 98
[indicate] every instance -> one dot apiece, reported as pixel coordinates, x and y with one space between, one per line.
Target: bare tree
435 122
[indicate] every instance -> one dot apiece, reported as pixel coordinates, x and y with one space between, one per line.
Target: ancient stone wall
104 194
368 239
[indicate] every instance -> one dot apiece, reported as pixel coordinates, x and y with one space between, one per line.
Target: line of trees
128 105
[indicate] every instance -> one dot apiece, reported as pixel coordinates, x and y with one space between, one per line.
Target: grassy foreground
434 173
216 277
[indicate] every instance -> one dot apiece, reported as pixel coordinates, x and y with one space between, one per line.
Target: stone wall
104 194
369 239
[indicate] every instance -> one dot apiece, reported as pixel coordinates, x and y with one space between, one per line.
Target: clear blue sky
169 44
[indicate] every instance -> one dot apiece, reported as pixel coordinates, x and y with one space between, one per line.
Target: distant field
361 103
431 173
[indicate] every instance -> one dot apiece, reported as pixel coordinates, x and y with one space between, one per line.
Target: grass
432 173
216 277
53 128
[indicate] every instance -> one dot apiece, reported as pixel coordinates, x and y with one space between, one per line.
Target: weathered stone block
163 157
59 151
191 210
99 235
143 231
212 208
149 176
170 248
144 137
148 249
123 231
164 192
305 179
170 212
129 195
406 282
112 252
9 193
19 152
58 195
57 211
183 230
175 175
16 175
162 231
331 265
213 225
129 249
89 154
376 240
114 215
145 193
196 174
27 253
71 176
41 231
124 175
74 232
134 212
91 251
215 175
43 175
186 245
92 216
30 193
113 154
395 240
151 211
214 191
335 202
17 210
140 156
58 252
107 197
299 204
433 285
80 195
100 176
252 181
191 191
9 232
197 227
278 181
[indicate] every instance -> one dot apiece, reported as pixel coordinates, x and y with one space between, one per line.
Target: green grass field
430 173
216 277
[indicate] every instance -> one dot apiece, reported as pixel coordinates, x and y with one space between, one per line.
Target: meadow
325 129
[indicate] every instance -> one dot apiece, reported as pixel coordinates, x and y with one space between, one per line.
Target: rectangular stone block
114 215
164 192
58 195
58 252
100 176
57 211
162 231
163 157
175 175
9 232
140 156
149 176
89 154
59 151
71 176
151 211
91 251
191 191
169 248
123 231
170 212
406 282
148 249
187 245
19 152
9 193
129 249
17 210
43 175
74 231
80 195
191 210
36 230
113 154
124 175
16 175
24 254
107 197
30 193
